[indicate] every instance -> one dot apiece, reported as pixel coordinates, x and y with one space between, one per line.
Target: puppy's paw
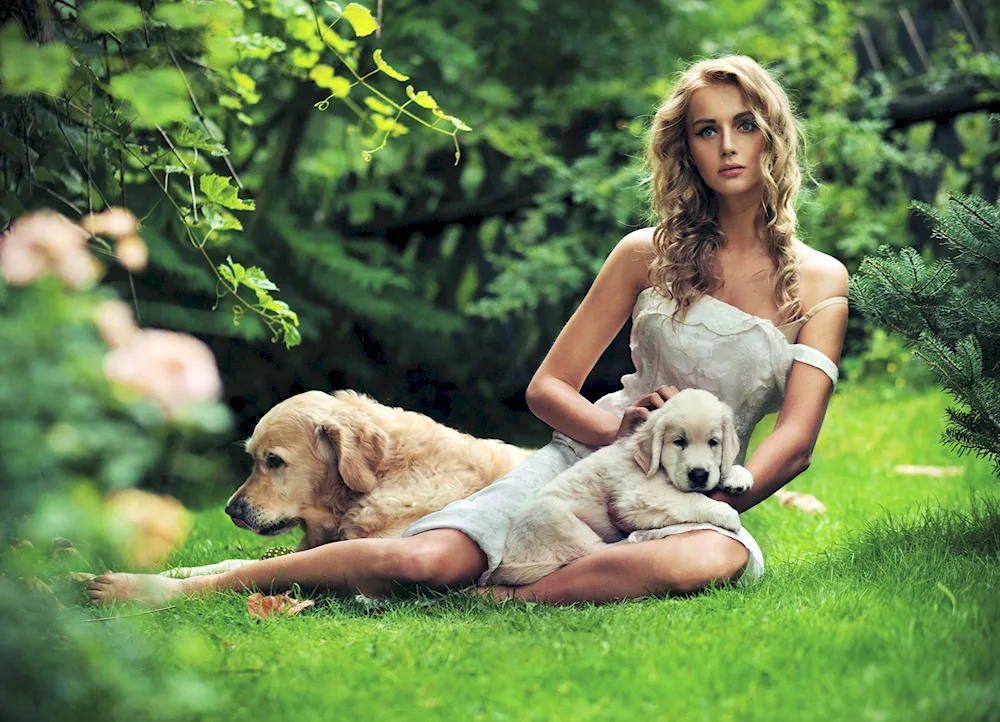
740 480
727 518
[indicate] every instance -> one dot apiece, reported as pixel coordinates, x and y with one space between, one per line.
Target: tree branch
941 107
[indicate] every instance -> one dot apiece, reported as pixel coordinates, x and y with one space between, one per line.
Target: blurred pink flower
45 241
172 369
115 222
116 323
132 253
158 524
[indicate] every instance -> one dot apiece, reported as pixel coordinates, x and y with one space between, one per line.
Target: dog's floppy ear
647 442
361 447
730 444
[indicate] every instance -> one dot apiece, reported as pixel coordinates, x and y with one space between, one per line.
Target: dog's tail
520 573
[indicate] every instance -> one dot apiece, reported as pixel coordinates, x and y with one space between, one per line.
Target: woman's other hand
636 414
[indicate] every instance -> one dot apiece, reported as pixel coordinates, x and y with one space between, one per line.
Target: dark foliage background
435 286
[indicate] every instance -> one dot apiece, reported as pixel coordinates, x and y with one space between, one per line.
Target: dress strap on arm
809 355
836 300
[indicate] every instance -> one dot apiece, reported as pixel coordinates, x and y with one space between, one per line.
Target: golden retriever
343 466
639 482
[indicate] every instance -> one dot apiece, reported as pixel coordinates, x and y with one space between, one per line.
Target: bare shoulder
636 252
821 276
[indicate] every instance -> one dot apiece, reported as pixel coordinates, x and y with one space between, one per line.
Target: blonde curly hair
687 237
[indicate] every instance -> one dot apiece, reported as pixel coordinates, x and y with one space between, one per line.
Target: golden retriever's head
691 438
313 454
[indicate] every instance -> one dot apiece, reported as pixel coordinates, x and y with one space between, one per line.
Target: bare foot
496 592
109 587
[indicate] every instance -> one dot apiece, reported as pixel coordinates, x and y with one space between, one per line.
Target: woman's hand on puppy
636 414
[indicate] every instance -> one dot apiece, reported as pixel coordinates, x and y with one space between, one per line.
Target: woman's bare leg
375 567
677 564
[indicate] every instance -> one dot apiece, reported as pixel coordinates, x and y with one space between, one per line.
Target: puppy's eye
680 442
273 461
712 443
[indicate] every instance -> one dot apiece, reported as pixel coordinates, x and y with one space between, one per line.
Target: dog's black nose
237 509
698 477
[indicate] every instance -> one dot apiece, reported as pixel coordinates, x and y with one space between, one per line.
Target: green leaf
360 19
378 106
236 271
110 16
338 43
29 68
219 219
227 273
192 138
388 125
323 76
257 279
245 86
386 68
423 98
220 52
181 16
283 309
292 335
457 122
217 189
257 45
158 95
302 58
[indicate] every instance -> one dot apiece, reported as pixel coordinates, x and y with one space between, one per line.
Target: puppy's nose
698 477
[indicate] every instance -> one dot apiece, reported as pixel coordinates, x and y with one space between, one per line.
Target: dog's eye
712 443
680 442
273 461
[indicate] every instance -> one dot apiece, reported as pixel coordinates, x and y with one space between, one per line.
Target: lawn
884 608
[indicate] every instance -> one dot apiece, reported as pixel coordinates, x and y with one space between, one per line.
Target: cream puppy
644 481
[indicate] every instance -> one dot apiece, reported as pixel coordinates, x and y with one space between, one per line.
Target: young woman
716 293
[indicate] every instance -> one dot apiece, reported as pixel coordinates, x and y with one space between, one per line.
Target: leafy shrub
88 405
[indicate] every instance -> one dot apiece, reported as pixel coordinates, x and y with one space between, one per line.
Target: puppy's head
311 452
692 438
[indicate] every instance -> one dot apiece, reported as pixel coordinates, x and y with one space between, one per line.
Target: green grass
885 608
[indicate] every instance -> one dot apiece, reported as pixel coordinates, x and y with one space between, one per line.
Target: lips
731 171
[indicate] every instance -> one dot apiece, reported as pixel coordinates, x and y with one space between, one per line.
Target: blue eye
747 125
704 132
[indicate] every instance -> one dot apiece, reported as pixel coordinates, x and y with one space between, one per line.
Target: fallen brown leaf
266 607
910 470
803 502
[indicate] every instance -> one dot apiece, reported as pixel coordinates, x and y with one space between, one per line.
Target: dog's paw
727 518
740 480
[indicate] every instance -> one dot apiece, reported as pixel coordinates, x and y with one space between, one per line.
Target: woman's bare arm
787 451
554 392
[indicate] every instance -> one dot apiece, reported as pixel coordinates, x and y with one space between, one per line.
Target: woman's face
725 141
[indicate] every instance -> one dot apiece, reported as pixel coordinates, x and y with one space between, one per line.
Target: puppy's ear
648 443
361 447
730 444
